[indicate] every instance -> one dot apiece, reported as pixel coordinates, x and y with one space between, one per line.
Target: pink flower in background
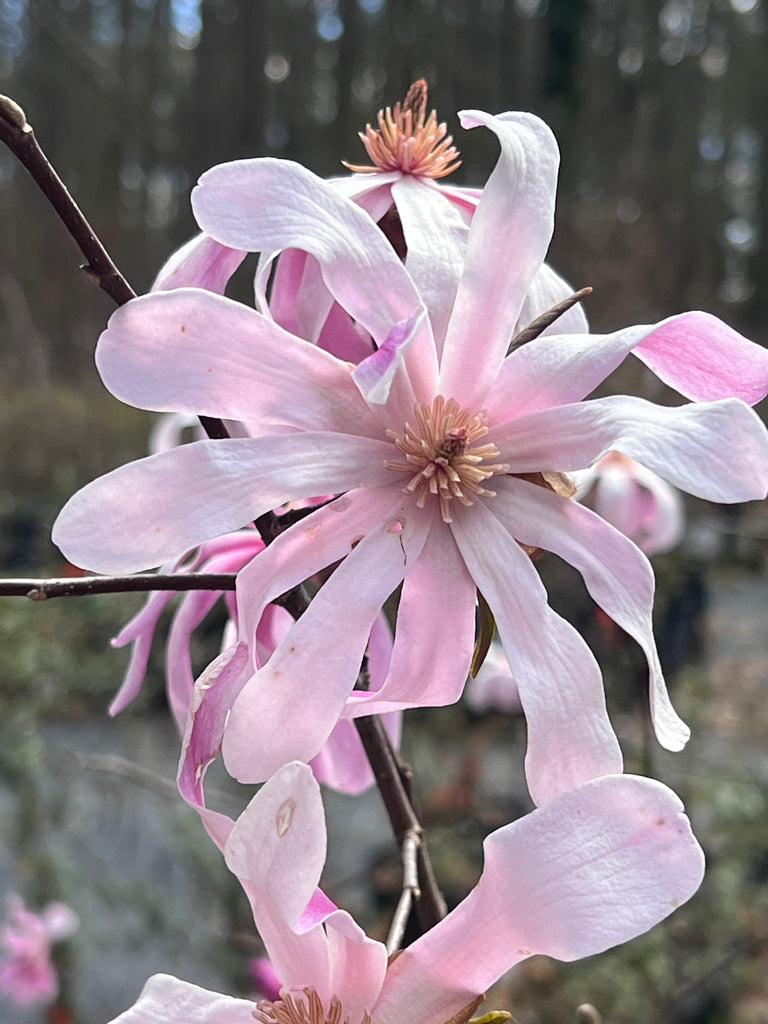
594 868
27 974
446 452
494 687
634 500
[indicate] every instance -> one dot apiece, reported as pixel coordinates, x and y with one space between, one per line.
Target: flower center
442 456
305 1008
408 141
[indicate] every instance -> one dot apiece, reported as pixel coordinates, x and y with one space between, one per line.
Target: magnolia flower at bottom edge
27 974
595 867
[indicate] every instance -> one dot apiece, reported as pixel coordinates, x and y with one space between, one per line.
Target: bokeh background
660 111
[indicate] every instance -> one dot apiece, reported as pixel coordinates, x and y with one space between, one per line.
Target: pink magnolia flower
403 191
446 455
634 500
27 974
596 867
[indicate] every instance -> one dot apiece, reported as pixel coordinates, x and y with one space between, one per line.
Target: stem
82 586
409 851
541 323
405 824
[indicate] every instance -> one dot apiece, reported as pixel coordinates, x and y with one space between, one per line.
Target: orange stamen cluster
440 455
293 1009
408 141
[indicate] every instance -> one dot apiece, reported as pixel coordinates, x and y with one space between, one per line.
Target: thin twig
409 851
378 748
541 323
82 586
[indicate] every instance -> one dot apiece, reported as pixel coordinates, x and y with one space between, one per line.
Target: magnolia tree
403 410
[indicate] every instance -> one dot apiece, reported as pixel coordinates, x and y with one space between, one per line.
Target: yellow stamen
442 456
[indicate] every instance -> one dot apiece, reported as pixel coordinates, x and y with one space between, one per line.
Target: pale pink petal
201 263
616 573
173 501
699 355
166 1000
324 537
168 431
61 922
436 232
343 338
704 359
570 739
596 867
494 687
269 205
434 636
298 298
715 450
508 241
265 728
212 698
190 350
277 850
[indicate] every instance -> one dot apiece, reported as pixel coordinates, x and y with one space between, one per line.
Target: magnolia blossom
594 868
446 452
426 221
27 974
635 500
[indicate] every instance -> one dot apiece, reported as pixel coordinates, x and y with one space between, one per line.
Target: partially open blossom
446 452
594 868
634 500
27 973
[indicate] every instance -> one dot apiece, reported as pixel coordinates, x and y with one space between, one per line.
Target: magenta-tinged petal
140 631
436 232
201 263
173 501
377 373
166 1000
596 867
193 351
213 696
297 298
508 241
264 730
570 739
705 359
715 450
269 205
435 632
617 574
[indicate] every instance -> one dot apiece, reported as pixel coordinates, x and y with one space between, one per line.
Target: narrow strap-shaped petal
695 353
325 536
264 729
189 350
143 513
570 739
508 240
166 1000
436 232
435 632
596 867
201 263
270 205
715 450
617 574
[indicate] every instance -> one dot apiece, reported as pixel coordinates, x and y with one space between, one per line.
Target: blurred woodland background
660 108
